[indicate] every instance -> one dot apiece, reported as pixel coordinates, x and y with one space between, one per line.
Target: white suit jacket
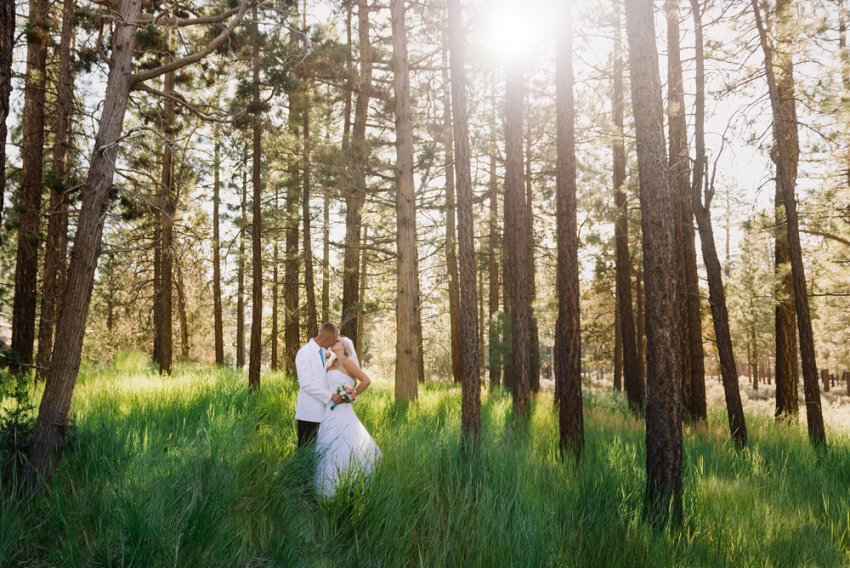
313 394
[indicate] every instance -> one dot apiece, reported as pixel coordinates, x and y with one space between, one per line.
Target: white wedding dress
345 449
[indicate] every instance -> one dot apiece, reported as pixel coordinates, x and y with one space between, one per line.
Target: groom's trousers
306 432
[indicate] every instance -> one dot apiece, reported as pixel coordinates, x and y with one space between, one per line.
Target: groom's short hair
329 330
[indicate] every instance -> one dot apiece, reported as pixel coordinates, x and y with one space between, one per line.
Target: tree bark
407 352
7 41
291 331
664 373
31 187
495 247
56 246
275 363
713 269
326 255
632 361
679 162
618 349
219 319
355 196
256 225
181 310
785 135
785 318
309 282
163 328
471 384
517 232
362 291
54 410
451 229
568 323
240 275
534 337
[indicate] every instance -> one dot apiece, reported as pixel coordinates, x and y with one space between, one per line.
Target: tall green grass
194 470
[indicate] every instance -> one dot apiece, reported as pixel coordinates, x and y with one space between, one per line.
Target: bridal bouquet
347 393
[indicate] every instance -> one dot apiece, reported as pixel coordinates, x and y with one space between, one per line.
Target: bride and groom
345 449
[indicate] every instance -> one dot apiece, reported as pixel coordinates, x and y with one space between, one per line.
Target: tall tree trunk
641 335
785 318
451 228
507 332
420 363
309 282
54 410
471 386
568 323
57 225
663 373
240 275
407 353
181 310
291 331
495 247
362 298
256 225
517 232
275 363
618 349
219 318
163 289
32 159
534 337
356 195
632 356
785 136
7 41
714 272
326 255
680 184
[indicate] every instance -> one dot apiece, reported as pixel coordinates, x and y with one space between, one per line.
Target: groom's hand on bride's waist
336 398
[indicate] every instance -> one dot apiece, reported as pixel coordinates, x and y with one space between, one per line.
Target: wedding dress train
345 449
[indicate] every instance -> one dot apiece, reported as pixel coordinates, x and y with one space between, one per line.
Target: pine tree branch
137 78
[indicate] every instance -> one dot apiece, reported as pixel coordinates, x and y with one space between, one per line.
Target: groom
313 394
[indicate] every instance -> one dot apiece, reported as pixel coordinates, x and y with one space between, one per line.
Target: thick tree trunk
163 288
785 135
664 373
507 332
534 338
54 410
714 272
407 349
785 318
32 160
632 361
219 318
451 228
517 232
240 273
680 184
55 247
355 196
256 227
495 247
618 349
471 384
309 282
7 41
568 323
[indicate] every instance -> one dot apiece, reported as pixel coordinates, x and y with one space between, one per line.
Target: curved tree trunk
568 324
663 373
714 272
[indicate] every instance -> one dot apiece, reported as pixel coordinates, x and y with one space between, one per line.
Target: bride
345 448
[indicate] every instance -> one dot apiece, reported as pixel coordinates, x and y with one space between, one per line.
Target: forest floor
193 470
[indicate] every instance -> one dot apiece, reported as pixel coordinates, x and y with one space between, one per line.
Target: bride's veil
349 347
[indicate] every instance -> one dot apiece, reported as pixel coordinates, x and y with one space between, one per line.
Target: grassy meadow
193 470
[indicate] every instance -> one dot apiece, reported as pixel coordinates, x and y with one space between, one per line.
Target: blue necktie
322 357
